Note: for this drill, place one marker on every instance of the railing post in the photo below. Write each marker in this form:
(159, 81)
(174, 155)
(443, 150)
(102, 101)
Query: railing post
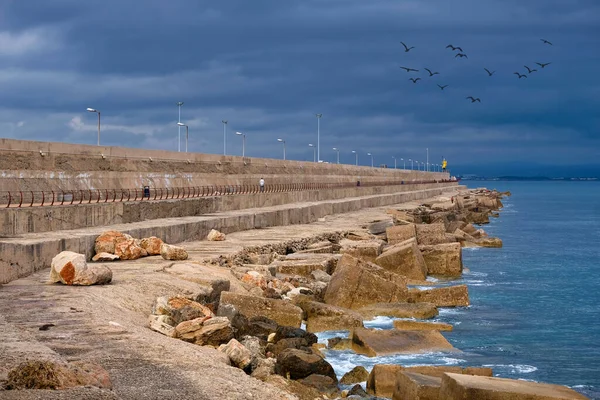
(52, 198)
(135, 199)
(106, 197)
(21, 201)
(122, 194)
(9, 200)
(43, 198)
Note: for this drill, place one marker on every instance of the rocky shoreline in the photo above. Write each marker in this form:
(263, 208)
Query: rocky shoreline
(264, 318)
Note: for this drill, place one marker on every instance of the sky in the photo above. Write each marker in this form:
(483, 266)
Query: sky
(268, 66)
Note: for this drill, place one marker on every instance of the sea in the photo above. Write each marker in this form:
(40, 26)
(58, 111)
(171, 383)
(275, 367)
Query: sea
(535, 302)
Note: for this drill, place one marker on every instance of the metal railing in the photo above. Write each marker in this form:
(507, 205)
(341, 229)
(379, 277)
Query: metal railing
(31, 198)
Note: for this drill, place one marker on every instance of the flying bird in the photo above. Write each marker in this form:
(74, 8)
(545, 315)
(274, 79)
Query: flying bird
(414, 80)
(409, 69)
(442, 87)
(529, 70)
(542, 64)
(461, 55)
(454, 48)
(473, 99)
(406, 48)
(519, 75)
(431, 73)
(490, 73)
(546, 42)
(459, 49)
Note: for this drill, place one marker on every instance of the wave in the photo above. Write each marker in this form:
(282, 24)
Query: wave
(512, 368)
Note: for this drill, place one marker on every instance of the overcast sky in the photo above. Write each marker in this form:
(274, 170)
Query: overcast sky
(267, 66)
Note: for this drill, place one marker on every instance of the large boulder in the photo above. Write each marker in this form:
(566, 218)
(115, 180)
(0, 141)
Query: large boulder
(439, 370)
(238, 354)
(152, 245)
(366, 250)
(162, 324)
(399, 310)
(379, 227)
(410, 325)
(105, 243)
(180, 309)
(71, 269)
(382, 379)
(471, 387)
(404, 259)
(299, 267)
(129, 250)
(170, 252)
(280, 311)
(355, 375)
(325, 317)
(443, 259)
(324, 384)
(375, 342)
(202, 331)
(431, 233)
(356, 283)
(400, 233)
(488, 242)
(450, 296)
(412, 385)
(298, 364)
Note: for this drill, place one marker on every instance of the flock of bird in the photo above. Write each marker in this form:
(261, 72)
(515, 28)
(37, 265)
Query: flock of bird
(461, 54)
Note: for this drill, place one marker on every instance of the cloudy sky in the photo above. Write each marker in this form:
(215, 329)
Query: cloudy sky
(267, 66)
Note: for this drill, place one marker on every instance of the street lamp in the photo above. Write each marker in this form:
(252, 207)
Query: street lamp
(224, 137)
(369, 154)
(338, 154)
(394, 162)
(314, 151)
(319, 136)
(179, 104)
(403, 161)
(243, 135)
(427, 158)
(96, 111)
(417, 165)
(186, 134)
(353, 151)
(282, 141)
(411, 163)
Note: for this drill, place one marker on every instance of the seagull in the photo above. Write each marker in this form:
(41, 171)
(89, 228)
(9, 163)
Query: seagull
(546, 42)
(473, 99)
(409, 69)
(459, 49)
(488, 71)
(461, 55)
(431, 73)
(519, 75)
(529, 70)
(406, 48)
(542, 64)
(451, 47)
(442, 87)
(414, 80)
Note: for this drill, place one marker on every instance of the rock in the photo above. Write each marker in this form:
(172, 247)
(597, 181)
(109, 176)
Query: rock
(264, 368)
(238, 354)
(470, 387)
(215, 236)
(358, 391)
(325, 317)
(365, 250)
(411, 385)
(299, 391)
(105, 257)
(439, 370)
(400, 233)
(298, 364)
(205, 331)
(404, 259)
(317, 348)
(287, 332)
(358, 235)
(355, 375)
(379, 227)
(170, 252)
(338, 343)
(373, 342)
(382, 379)
(152, 245)
(105, 243)
(450, 296)
(399, 310)
(320, 276)
(261, 327)
(324, 384)
(478, 218)
(255, 278)
(180, 309)
(55, 375)
(443, 259)
(71, 269)
(298, 267)
(431, 233)
(256, 348)
(404, 325)
(288, 343)
(489, 242)
(162, 324)
(454, 225)
(280, 311)
(356, 283)
(128, 250)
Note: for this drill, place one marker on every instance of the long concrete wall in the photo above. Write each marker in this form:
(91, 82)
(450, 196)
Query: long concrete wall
(24, 255)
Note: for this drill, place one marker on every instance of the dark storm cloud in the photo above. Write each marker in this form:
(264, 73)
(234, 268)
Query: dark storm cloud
(269, 66)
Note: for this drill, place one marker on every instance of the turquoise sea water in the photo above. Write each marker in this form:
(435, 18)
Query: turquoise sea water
(535, 310)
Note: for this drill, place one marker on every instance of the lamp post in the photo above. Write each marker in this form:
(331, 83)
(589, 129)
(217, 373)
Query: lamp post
(394, 162)
(417, 165)
(411, 163)
(243, 135)
(427, 158)
(319, 136)
(282, 141)
(224, 137)
(404, 162)
(96, 111)
(186, 134)
(338, 154)
(355, 152)
(314, 151)
(369, 154)
(179, 104)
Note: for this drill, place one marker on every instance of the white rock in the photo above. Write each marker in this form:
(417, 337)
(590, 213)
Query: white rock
(215, 236)
(71, 269)
(162, 324)
(170, 252)
(239, 355)
(105, 257)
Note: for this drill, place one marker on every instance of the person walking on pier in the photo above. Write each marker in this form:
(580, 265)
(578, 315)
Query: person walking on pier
(261, 183)
(444, 164)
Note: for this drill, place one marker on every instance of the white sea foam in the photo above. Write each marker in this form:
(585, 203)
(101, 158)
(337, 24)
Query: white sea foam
(513, 368)
(379, 323)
